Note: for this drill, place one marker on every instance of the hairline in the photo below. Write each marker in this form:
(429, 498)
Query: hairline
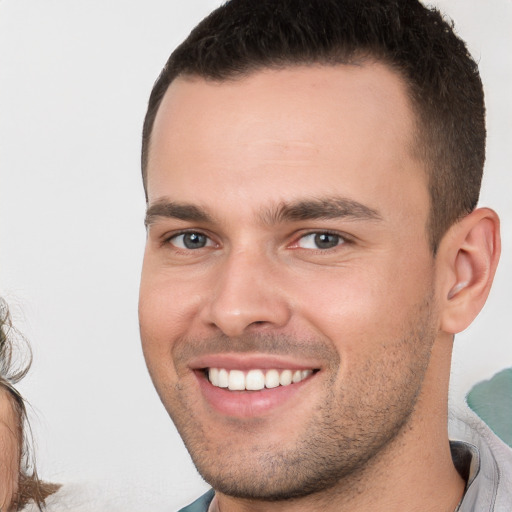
(418, 138)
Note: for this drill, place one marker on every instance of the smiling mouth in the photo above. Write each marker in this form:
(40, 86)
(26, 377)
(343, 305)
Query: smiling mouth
(255, 380)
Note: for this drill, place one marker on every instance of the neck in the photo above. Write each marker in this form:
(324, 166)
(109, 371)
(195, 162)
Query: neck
(414, 472)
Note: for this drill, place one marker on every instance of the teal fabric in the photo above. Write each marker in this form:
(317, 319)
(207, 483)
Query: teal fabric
(201, 504)
(492, 401)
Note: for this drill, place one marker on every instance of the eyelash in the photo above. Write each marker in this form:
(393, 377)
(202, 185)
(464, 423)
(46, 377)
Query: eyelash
(343, 239)
(168, 239)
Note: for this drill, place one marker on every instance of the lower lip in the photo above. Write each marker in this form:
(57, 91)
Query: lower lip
(248, 404)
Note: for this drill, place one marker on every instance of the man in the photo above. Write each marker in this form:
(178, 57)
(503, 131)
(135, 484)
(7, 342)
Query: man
(312, 170)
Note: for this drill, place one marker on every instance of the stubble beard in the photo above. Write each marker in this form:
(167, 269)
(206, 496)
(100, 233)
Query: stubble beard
(347, 432)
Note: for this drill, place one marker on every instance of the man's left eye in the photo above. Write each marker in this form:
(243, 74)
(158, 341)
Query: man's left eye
(320, 241)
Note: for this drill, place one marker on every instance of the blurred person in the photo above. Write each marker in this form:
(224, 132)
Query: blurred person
(19, 483)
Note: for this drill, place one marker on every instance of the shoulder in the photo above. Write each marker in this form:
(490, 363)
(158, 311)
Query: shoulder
(489, 486)
(76, 497)
(201, 504)
(105, 495)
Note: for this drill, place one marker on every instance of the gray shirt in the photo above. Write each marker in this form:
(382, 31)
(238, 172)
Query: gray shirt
(484, 460)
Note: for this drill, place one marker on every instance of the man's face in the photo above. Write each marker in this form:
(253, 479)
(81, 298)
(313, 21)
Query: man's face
(287, 253)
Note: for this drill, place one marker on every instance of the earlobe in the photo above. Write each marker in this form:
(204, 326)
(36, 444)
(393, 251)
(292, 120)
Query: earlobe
(469, 254)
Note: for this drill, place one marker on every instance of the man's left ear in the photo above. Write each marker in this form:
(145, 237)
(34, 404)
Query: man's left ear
(467, 256)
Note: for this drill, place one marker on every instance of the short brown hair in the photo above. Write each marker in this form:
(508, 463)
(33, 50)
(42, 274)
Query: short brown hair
(243, 36)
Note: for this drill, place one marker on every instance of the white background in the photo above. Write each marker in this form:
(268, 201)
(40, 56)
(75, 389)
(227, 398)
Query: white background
(74, 81)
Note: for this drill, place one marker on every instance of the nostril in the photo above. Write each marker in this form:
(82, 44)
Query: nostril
(258, 323)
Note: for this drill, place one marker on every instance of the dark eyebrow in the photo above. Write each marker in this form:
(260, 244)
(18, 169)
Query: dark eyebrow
(328, 208)
(169, 209)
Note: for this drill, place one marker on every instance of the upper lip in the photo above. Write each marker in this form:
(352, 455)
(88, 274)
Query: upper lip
(237, 361)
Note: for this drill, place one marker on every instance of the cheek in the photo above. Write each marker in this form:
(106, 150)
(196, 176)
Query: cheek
(362, 308)
(157, 327)
(166, 305)
(169, 302)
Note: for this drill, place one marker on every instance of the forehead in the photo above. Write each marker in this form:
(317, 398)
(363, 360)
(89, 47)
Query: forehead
(294, 131)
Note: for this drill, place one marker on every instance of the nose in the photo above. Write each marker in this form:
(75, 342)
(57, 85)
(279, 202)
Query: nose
(246, 295)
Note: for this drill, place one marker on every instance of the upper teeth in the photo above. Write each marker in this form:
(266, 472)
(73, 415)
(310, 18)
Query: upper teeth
(254, 380)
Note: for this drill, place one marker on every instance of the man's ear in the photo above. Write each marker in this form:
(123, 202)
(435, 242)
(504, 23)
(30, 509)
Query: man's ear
(468, 256)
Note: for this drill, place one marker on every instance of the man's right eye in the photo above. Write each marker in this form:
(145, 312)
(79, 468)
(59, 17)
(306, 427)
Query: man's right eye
(190, 240)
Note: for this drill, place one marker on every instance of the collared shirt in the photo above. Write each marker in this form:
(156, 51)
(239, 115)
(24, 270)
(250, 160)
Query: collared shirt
(484, 460)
